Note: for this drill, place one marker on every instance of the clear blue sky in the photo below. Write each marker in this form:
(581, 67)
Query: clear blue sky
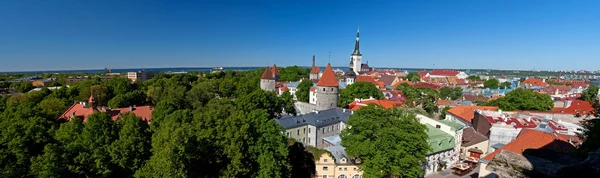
(500, 34)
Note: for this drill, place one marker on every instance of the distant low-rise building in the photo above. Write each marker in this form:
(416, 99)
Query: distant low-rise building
(140, 75)
(445, 138)
(311, 128)
(335, 163)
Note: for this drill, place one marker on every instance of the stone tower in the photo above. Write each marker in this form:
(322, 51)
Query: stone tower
(356, 57)
(275, 72)
(327, 90)
(267, 81)
(314, 73)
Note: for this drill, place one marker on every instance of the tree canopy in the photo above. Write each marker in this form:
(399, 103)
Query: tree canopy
(522, 99)
(389, 142)
(450, 93)
(491, 83)
(303, 90)
(362, 90)
(413, 77)
(590, 94)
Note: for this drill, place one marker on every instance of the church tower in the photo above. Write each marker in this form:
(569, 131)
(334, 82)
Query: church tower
(356, 57)
(267, 81)
(327, 90)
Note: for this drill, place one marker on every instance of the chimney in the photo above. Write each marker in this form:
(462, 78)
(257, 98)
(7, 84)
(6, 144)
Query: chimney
(131, 108)
(499, 111)
(344, 110)
(313, 60)
(568, 103)
(529, 119)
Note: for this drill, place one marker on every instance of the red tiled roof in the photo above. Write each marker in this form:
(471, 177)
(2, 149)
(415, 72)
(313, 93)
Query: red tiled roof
(515, 122)
(366, 78)
(77, 109)
(315, 70)
(583, 107)
(427, 85)
(444, 102)
(402, 81)
(328, 79)
(467, 113)
(534, 82)
(383, 103)
(444, 72)
(534, 139)
(285, 88)
(274, 70)
(267, 74)
(312, 89)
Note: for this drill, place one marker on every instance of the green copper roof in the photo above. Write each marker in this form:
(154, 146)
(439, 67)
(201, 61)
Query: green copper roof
(456, 126)
(438, 140)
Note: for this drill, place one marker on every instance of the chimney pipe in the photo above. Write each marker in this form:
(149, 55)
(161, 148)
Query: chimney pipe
(313, 60)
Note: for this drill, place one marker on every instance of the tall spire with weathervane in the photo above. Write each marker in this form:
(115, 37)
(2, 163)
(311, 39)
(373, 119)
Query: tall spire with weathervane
(356, 57)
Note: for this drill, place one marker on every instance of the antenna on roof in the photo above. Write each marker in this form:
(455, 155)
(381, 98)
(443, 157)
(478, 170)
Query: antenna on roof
(329, 56)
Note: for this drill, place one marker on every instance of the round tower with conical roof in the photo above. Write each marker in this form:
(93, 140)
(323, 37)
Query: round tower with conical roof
(267, 81)
(327, 90)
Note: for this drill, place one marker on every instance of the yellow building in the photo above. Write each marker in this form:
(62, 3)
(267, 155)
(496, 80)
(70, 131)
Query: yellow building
(334, 163)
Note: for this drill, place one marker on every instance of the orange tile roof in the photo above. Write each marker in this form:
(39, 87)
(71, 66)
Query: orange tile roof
(267, 74)
(285, 88)
(315, 70)
(366, 78)
(312, 89)
(328, 79)
(444, 102)
(534, 139)
(467, 113)
(383, 103)
(79, 110)
(402, 81)
(534, 82)
(274, 70)
(577, 106)
(381, 84)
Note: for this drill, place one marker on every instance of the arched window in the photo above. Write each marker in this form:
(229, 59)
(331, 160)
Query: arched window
(342, 176)
(356, 176)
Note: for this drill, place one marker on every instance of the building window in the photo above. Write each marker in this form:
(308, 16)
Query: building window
(355, 170)
(298, 132)
(342, 176)
(345, 169)
(356, 176)
(437, 126)
(331, 89)
(323, 89)
(325, 168)
(324, 176)
(304, 131)
(308, 140)
(324, 160)
(308, 130)
(340, 169)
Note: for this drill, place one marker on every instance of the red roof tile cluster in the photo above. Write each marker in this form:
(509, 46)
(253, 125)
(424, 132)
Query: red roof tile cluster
(284, 89)
(534, 82)
(267, 75)
(275, 71)
(444, 72)
(402, 81)
(366, 78)
(577, 106)
(534, 139)
(328, 79)
(516, 122)
(467, 113)
(79, 110)
(382, 103)
(428, 85)
(561, 89)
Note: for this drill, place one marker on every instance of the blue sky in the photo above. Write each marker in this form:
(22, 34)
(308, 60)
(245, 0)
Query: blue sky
(498, 34)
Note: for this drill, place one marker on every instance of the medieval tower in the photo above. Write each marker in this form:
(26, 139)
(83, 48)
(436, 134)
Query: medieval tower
(267, 80)
(356, 57)
(327, 90)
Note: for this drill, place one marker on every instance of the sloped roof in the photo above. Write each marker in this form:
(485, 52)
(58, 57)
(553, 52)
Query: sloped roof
(79, 110)
(577, 106)
(467, 113)
(444, 72)
(427, 85)
(438, 140)
(534, 82)
(366, 78)
(285, 88)
(274, 70)
(328, 79)
(472, 137)
(320, 119)
(387, 79)
(402, 81)
(267, 75)
(382, 103)
(534, 139)
(315, 70)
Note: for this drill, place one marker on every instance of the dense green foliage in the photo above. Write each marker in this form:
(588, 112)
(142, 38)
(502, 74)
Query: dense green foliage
(474, 78)
(491, 83)
(413, 77)
(209, 125)
(443, 112)
(450, 93)
(590, 94)
(358, 90)
(22, 87)
(293, 73)
(389, 142)
(522, 99)
(505, 85)
(303, 90)
(421, 96)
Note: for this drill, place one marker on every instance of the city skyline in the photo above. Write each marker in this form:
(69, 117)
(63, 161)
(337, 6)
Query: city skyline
(72, 35)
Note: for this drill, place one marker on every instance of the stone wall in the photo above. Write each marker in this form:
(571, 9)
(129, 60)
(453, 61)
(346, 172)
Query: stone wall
(267, 85)
(327, 97)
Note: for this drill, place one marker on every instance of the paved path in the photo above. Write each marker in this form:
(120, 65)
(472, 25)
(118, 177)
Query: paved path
(448, 174)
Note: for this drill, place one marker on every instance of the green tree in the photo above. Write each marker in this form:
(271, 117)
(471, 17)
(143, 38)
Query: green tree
(303, 90)
(96, 138)
(413, 77)
(389, 142)
(358, 90)
(52, 108)
(505, 85)
(446, 92)
(408, 91)
(293, 73)
(288, 103)
(226, 88)
(132, 148)
(491, 83)
(443, 112)
(590, 94)
(474, 78)
(49, 164)
(260, 99)
(101, 94)
(118, 85)
(522, 99)
(22, 87)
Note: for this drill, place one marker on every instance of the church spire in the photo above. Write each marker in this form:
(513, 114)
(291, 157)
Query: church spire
(356, 45)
